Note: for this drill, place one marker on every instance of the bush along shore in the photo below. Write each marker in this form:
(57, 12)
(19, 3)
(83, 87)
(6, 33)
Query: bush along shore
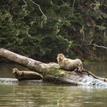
(42, 29)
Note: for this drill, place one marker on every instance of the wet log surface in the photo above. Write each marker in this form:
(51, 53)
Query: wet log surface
(47, 72)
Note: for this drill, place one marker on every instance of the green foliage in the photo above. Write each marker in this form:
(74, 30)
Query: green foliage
(43, 28)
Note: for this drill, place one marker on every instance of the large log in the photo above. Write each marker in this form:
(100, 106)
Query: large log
(28, 62)
(43, 68)
(48, 70)
(51, 72)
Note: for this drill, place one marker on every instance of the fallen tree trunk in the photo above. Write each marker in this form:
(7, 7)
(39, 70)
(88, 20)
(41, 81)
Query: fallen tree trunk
(40, 67)
(51, 72)
(28, 62)
(48, 71)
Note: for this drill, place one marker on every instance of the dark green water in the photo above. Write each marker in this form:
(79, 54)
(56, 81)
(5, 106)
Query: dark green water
(48, 95)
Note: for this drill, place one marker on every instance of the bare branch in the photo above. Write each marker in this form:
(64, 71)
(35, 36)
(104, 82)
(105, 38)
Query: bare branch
(25, 2)
(73, 7)
(39, 9)
(99, 46)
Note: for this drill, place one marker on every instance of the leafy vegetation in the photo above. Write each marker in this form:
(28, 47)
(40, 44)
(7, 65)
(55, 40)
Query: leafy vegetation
(43, 28)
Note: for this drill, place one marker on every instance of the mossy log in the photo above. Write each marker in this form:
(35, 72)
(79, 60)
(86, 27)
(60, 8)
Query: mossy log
(50, 72)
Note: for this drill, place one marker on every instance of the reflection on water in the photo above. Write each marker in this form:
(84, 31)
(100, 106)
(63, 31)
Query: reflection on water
(51, 96)
(46, 95)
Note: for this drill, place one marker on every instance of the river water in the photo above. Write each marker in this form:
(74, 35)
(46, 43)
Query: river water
(50, 95)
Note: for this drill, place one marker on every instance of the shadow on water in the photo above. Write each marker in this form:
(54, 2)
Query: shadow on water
(48, 95)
